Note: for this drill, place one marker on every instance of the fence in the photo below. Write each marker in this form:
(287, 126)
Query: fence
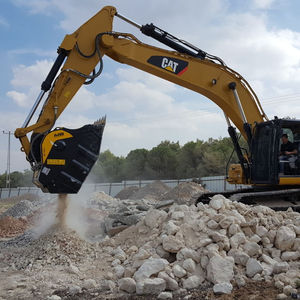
(216, 184)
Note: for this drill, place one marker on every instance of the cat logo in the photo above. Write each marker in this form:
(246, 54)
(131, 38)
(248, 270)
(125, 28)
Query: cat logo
(171, 64)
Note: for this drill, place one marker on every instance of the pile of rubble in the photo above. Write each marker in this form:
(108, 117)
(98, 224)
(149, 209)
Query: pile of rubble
(160, 253)
(10, 226)
(153, 191)
(221, 243)
(184, 193)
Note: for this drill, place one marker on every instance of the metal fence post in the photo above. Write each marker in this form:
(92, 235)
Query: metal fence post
(109, 192)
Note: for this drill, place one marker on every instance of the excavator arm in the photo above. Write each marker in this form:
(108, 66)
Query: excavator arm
(58, 168)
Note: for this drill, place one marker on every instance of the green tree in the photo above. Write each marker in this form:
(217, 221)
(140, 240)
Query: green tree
(163, 160)
(135, 164)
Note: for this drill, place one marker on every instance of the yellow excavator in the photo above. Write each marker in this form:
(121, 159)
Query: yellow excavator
(62, 158)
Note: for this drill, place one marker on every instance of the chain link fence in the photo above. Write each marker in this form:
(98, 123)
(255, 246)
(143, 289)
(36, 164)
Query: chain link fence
(216, 184)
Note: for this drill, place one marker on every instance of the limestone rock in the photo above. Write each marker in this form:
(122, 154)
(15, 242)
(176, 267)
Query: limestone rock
(252, 248)
(165, 295)
(217, 263)
(150, 267)
(189, 265)
(290, 255)
(89, 284)
(222, 288)
(192, 282)
(179, 271)
(150, 286)
(128, 285)
(253, 267)
(280, 267)
(171, 284)
(216, 202)
(285, 238)
(155, 217)
(172, 244)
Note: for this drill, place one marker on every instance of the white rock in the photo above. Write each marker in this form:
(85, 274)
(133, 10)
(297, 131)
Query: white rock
(115, 262)
(237, 239)
(171, 284)
(290, 255)
(89, 284)
(216, 202)
(186, 253)
(119, 254)
(261, 231)
(142, 254)
(252, 248)
(128, 285)
(119, 270)
(255, 238)
(285, 238)
(281, 296)
(240, 257)
(217, 263)
(287, 290)
(177, 215)
(268, 260)
(253, 267)
(172, 244)
(222, 288)
(74, 289)
(171, 228)
(296, 244)
(192, 282)
(212, 224)
(150, 286)
(280, 267)
(226, 222)
(233, 229)
(165, 295)
(54, 297)
(179, 271)
(150, 267)
(204, 261)
(155, 217)
(189, 265)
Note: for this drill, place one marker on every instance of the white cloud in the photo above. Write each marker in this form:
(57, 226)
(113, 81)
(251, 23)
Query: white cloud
(28, 79)
(263, 4)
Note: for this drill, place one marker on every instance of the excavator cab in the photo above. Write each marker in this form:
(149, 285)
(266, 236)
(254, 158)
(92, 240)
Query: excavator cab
(265, 153)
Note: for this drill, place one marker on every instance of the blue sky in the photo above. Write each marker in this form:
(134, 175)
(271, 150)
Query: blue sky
(258, 38)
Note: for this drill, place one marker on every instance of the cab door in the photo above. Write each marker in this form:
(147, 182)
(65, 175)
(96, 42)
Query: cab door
(264, 153)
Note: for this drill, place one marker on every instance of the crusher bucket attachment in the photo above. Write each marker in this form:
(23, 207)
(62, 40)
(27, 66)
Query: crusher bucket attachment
(67, 157)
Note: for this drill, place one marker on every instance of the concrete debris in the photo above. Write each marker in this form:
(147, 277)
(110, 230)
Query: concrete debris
(184, 193)
(21, 209)
(164, 253)
(127, 192)
(152, 191)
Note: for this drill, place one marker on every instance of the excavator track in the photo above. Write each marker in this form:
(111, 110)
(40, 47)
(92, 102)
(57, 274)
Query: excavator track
(276, 199)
